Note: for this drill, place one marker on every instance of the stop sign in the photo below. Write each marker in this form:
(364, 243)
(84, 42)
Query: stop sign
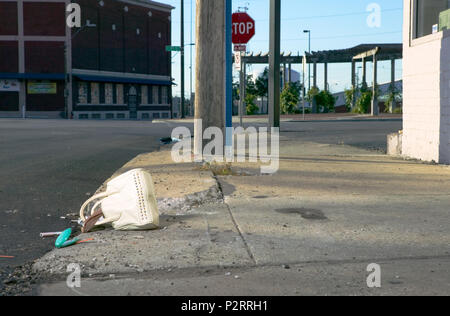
(243, 28)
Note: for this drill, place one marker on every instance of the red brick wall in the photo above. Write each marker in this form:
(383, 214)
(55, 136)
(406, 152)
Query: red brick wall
(44, 19)
(122, 50)
(9, 56)
(44, 57)
(8, 18)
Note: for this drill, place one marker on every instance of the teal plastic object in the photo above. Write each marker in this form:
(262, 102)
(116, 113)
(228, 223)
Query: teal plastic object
(63, 240)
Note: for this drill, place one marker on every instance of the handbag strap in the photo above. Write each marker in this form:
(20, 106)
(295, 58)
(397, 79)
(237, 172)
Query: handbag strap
(91, 222)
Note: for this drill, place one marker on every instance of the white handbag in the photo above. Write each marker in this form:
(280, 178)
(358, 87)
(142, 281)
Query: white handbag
(129, 203)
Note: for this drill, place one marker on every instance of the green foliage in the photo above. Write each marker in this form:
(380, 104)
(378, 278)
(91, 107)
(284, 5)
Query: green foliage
(349, 95)
(364, 102)
(312, 93)
(393, 95)
(398, 110)
(262, 84)
(251, 86)
(326, 101)
(250, 101)
(323, 99)
(290, 96)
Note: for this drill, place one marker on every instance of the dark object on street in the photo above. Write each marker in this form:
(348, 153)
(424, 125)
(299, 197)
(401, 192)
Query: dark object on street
(306, 213)
(168, 140)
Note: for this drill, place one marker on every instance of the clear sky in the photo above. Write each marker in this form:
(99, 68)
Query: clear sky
(334, 24)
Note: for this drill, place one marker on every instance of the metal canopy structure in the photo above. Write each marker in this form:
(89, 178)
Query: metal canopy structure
(361, 53)
(386, 52)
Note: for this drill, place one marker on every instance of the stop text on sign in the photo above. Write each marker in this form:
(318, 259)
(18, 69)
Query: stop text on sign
(243, 28)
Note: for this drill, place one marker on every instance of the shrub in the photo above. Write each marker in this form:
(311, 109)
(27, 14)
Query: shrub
(364, 103)
(290, 98)
(252, 108)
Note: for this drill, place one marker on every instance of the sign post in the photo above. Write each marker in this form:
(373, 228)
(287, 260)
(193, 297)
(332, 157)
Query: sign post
(228, 79)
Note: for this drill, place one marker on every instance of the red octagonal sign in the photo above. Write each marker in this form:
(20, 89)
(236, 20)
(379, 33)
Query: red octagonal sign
(243, 28)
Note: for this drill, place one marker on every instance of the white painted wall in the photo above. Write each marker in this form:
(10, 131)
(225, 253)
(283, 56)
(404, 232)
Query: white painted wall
(426, 94)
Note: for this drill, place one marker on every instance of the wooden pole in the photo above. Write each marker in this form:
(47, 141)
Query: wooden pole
(210, 69)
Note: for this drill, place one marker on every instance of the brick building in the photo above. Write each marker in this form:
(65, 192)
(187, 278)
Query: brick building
(116, 63)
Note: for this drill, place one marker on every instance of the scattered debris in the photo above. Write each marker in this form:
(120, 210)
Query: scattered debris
(63, 239)
(55, 234)
(169, 140)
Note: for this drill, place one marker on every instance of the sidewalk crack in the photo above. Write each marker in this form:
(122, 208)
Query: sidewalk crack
(247, 247)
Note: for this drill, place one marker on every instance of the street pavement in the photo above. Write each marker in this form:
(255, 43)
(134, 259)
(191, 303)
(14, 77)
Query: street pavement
(49, 167)
(334, 208)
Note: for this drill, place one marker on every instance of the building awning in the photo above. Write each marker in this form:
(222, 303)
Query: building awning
(31, 76)
(110, 79)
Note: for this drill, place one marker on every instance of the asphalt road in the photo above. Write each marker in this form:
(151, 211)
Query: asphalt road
(48, 168)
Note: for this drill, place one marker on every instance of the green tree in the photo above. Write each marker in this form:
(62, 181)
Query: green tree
(290, 96)
(364, 102)
(262, 85)
(325, 101)
(393, 95)
(250, 86)
(350, 94)
(250, 101)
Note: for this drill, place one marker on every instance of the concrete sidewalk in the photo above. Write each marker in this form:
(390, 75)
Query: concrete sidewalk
(311, 229)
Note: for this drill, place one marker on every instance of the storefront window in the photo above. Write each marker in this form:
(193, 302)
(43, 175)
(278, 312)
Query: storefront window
(164, 95)
(144, 95)
(82, 92)
(109, 98)
(427, 15)
(119, 91)
(95, 93)
(155, 95)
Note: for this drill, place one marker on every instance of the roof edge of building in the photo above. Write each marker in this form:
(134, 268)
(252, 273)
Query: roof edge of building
(150, 4)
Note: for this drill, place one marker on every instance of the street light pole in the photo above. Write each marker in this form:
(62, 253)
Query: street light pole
(183, 113)
(190, 84)
(309, 51)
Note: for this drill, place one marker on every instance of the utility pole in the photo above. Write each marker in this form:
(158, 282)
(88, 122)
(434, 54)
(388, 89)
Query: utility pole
(274, 63)
(183, 110)
(210, 69)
